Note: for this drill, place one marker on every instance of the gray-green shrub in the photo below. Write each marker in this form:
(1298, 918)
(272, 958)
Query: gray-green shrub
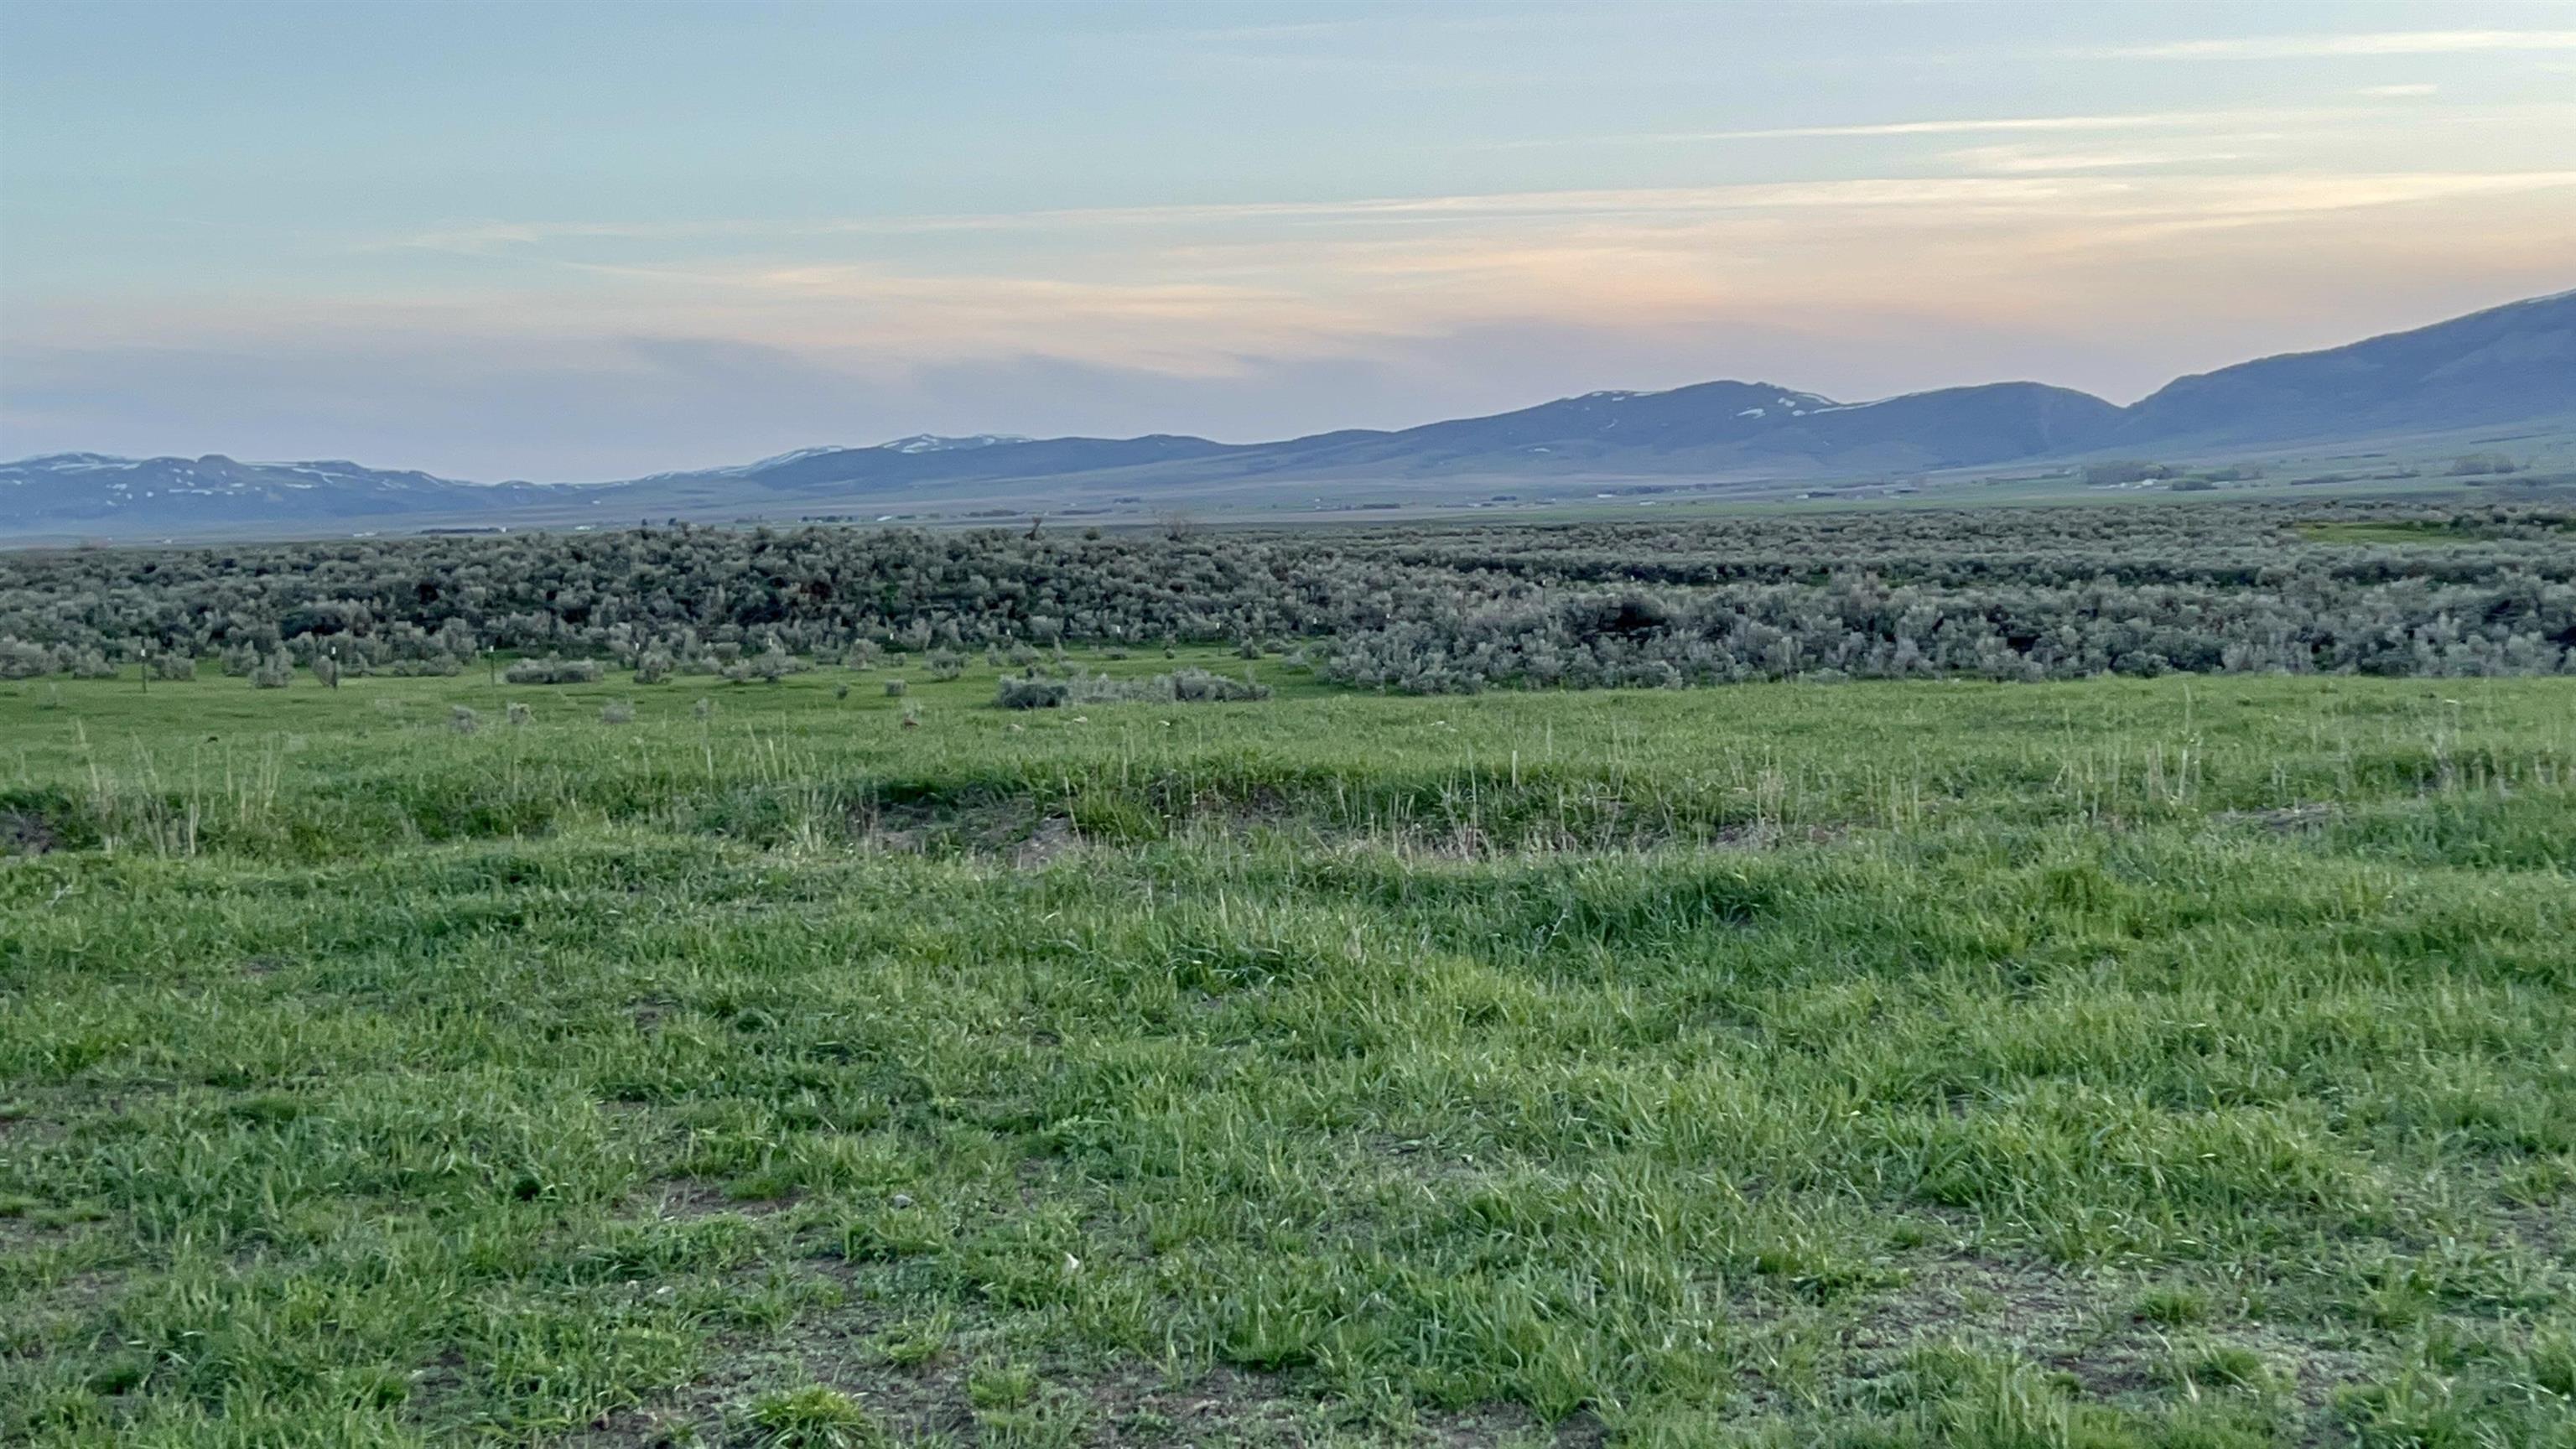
(1030, 693)
(552, 670)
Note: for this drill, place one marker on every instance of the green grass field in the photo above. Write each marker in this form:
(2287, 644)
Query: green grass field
(2184, 1062)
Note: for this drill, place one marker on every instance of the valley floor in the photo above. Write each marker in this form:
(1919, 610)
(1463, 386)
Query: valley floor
(2174, 1062)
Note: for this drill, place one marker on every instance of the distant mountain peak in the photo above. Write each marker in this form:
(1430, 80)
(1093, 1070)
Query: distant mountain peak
(794, 455)
(939, 443)
(2502, 372)
(68, 462)
(2489, 367)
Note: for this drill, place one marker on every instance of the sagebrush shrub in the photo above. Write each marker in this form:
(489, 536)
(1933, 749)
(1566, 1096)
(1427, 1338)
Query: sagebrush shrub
(22, 660)
(1182, 686)
(1030, 693)
(552, 670)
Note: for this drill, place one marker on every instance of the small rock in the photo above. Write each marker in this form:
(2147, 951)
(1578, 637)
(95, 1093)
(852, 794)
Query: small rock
(901, 1200)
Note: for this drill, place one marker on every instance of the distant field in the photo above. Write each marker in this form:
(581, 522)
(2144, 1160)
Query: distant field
(2397, 532)
(2187, 1061)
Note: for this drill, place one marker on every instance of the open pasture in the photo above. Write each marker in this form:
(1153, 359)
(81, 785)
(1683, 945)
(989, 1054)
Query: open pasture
(2175, 1062)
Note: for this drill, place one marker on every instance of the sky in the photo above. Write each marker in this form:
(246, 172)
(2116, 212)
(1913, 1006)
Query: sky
(565, 241)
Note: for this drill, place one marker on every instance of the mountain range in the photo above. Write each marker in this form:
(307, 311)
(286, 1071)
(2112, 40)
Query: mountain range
(2489, 374)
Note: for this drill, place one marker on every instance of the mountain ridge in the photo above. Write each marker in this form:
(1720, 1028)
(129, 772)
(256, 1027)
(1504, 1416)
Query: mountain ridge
(2498, 366)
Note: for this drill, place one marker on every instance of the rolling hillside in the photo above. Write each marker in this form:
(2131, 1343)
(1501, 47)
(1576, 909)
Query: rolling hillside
(2508, 368)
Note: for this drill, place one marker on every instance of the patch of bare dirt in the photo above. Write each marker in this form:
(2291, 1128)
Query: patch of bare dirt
(2548, 1229)
(1020, 831)
(2285, 820)
(927, 1397)
(2082, 1325)
(1053, 837)
(1012, 830)
(1767, 835)
(684, 1199)
(25, 832)
(2074, 1324)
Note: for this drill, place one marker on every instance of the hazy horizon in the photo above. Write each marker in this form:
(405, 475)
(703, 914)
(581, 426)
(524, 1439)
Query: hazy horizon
(576, 243)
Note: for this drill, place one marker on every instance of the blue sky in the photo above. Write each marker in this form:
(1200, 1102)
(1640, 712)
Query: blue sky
(566, 241)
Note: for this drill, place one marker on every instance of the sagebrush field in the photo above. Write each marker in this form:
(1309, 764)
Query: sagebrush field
(2438, 588)
(2185, 1061)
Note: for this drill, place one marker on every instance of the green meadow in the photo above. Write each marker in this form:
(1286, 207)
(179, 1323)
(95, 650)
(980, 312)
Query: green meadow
(2180, 1062)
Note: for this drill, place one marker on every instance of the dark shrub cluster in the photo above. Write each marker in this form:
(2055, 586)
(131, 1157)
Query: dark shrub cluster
(1858, 626)
(1030, 693)
(1182, 686)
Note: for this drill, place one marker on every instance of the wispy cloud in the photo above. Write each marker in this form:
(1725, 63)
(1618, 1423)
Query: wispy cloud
(1952, 126)
(1189, 292)
(2024, 160)
(2304, 47)
(501, 237)
(1956, 194)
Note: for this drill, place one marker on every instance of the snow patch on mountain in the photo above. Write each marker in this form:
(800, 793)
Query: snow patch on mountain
(937, 443)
